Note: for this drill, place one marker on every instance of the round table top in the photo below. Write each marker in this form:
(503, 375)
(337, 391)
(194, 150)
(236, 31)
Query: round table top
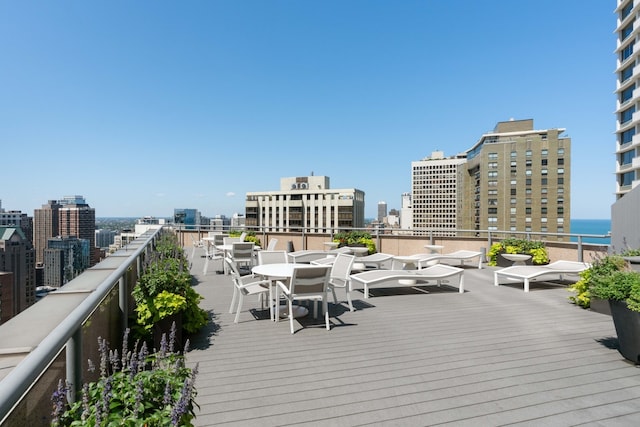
(281, 269)
(434, 247)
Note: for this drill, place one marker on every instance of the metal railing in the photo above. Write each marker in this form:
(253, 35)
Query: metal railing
(94, 304)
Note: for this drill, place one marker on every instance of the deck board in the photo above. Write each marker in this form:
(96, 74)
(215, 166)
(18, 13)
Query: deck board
(429, 356)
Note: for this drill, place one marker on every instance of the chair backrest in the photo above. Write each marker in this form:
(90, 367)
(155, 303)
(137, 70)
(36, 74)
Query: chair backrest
(243, 235)
(310, 280)
(272, 257)
(272, 245)
(242, 251)
(218, 239)
(341, 269)
(230, 240)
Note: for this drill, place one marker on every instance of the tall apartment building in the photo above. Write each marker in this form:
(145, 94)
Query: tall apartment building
(14, 218)
(406, 212)
(382, 211)
(46, 224)
(436, 192)
(628, 98)
(78, 219)
(189, 217)
(17, 257)
(518, 178)
(306, 203)
(64, 259)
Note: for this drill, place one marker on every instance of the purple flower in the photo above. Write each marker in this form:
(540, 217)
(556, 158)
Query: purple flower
(58, 399)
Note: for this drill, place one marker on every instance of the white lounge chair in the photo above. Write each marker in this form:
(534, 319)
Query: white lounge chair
(462, 256)
(435, 272)
(528, 273)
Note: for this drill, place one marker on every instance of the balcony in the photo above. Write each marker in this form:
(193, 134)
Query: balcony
(423, 355)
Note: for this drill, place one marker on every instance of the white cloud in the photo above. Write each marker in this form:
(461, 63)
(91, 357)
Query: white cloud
(231, 194)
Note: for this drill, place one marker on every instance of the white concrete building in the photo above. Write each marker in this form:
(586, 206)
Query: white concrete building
(306, 203)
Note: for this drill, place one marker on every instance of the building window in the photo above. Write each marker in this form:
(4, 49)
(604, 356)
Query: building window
(544, 171)
(528, 153)
(543, 200)
(493, 174)
(626, 10)
(627, 73)
(544, 152)
(627, 114)
(560, 181)
(560, 151)
(627, 136)
(543, 211)
(626, 178)
(514, 201)
(527, 172)
(527, 211)
(626, 31)
(626, 52)
(543, 181)
(561, 161)
(513, 211)
(560, 210)
(492, 211)
(626, 94)
(527, 181)
(627, 157)
(513, 192)
(492, 156)
(493, 165)
(492, 183)
(527, 201)
(513, 182)
(544, 162)
(560, 170)
(543, 219)
(514, 154)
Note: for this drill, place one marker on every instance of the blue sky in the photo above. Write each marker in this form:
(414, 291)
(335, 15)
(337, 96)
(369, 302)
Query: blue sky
(147, 106)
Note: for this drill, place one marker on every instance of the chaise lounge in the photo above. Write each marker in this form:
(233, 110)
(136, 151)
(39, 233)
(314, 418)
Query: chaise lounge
(462, 256)
(435, 272)
(531, 273)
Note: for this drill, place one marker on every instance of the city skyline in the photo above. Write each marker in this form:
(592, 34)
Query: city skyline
(193, 105)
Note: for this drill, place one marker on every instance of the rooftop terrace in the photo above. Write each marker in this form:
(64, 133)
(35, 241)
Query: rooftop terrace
(415, 356)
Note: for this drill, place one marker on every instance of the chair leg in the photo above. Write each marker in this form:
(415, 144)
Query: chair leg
(349, 299)
(291, 314)
(325, 307)
(206, 265)
(240, 299)
(233, 300)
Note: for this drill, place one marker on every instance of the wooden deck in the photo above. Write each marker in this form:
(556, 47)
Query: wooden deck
(491, 356)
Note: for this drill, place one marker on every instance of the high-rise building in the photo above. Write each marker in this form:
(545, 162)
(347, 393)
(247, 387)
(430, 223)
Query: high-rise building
(382, 211)
(628, 99)
(406, 212)
(306, 203)
(64, 259)
(518, 178)
(6, 296)
(17, 257)
(189, 217)
(436, 192)
(78, 219)
(14, 218)
(46, 224)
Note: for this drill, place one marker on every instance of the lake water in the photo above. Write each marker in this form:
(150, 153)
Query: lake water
(591, 226)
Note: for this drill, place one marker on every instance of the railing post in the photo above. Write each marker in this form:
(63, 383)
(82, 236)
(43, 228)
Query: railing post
(123, 301)
(74, 364)
(580, 257)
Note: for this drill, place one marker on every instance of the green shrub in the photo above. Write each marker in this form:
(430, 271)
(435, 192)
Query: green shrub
(600, 268)
(347, 238)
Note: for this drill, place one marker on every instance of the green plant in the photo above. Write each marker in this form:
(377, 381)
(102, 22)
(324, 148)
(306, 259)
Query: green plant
(164, 289)
(537, 250)
(346, 238)
(134, 388)
(601, 267)
(621, 285)
(249, 237)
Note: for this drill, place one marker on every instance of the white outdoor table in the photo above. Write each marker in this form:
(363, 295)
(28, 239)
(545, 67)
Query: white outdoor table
(279, 271)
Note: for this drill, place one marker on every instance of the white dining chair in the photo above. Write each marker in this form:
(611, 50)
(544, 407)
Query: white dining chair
(340, 276)
(306, 283)
(243, 286)
(242, 253)
(272, 244)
